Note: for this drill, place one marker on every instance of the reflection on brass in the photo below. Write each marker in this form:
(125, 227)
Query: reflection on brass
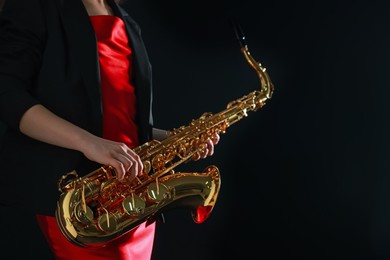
(113, 208)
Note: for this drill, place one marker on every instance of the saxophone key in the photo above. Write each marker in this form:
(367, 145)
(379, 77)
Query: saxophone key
(107, 223)
(158, 192)
(133, 205)
(83, 214)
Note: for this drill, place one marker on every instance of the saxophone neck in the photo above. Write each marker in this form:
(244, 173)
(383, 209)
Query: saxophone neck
(267, 87)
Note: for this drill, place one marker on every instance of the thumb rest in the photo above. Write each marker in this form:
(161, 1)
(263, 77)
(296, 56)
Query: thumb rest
(97, 208)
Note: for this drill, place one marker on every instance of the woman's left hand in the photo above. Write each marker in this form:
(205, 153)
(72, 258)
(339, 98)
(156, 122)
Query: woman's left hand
(207, 148)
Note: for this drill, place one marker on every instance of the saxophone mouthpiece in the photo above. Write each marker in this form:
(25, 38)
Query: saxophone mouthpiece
(238, 32)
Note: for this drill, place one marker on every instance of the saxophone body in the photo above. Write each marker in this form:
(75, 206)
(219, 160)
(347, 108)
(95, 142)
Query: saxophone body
(97, 208)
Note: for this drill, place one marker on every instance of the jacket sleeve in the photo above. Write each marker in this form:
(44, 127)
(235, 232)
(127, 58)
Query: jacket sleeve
(22, 39)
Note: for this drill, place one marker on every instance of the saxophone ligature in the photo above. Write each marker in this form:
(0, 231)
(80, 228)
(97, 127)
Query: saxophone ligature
(97, 208)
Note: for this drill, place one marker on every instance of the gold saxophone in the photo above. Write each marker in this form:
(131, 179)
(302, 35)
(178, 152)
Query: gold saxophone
(97, 208)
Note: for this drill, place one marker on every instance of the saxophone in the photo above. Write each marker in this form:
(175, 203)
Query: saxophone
(97, 208)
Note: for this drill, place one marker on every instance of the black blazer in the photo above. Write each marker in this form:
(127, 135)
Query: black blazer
(48, 55)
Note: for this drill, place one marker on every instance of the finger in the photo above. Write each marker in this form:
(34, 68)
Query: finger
(196, 156)
(119, 169)
(133, 171)
(204, 153)
(126, 161)
(215, 138)
(131, 166)
(203, 150)
(132, 160)
(137, 160)
(210, 147)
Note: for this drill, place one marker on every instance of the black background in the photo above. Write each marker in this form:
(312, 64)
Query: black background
(307, 175)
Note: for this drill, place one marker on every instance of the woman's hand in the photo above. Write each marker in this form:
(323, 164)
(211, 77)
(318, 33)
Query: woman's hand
(207, 148)
(118, 155)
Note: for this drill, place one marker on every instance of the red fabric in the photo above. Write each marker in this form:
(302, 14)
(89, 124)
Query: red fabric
(118, 94)
(119, 116)
(134, 245)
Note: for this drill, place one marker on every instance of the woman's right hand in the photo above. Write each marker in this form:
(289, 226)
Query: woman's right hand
(116, 154)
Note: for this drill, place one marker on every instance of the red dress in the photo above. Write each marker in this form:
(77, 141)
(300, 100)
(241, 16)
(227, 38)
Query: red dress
(119, 115)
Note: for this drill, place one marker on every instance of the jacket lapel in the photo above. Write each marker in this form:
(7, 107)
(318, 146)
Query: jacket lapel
(134, 32)
(82, 44)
